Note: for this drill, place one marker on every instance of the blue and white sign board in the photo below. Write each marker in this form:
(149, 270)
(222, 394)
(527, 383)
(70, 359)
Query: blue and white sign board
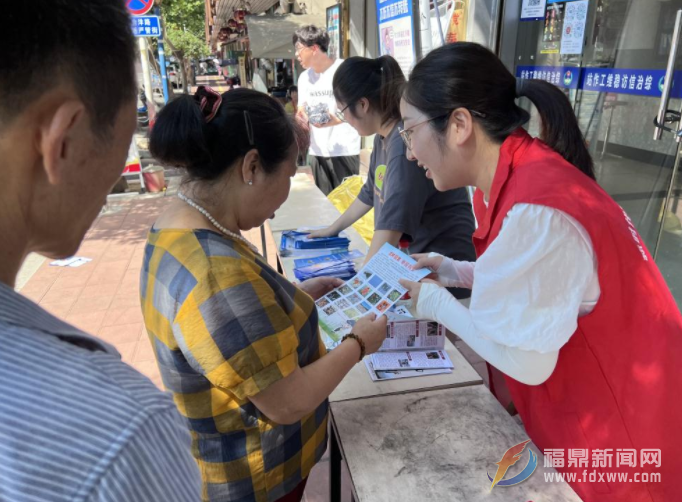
(566, 77)
(395, 20)
(635, 81)
(146, 26)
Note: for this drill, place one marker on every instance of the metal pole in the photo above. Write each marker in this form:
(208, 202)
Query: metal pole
(142, 44)
(425, 26)
(162, 59)
(440, 26)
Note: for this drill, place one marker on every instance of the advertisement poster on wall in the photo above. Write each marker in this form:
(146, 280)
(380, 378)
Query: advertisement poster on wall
(334, 30)
(395, 19)
(551, 32)
(575, 19)
(564, 27)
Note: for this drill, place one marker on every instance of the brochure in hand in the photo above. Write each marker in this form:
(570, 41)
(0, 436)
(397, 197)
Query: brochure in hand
(375, 289)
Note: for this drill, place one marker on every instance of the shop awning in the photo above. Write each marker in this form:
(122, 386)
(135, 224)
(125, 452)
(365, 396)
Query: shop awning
(270, 36)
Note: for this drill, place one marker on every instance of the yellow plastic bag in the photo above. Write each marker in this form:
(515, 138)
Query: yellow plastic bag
(344, 195)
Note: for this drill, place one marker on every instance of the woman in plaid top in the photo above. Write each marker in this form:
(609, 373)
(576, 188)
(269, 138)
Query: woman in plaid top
(238, 344)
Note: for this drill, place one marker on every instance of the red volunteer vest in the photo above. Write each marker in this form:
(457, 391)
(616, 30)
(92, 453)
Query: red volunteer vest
(616, 382)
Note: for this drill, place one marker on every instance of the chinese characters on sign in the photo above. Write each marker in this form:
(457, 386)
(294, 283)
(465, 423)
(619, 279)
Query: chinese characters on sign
(395, 31)
(146, 26)
(616, 81)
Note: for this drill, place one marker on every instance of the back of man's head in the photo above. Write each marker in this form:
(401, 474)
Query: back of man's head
(87, 43)
(67, 115)
(312, 35)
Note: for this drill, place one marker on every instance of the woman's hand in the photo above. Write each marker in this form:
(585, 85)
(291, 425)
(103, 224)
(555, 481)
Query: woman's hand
(320, 286)
(372, 331)
(414, 288)
(322, 232)
(433, 263)
(448, 272)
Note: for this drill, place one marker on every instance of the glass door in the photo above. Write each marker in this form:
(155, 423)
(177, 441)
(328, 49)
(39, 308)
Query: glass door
(611, 58)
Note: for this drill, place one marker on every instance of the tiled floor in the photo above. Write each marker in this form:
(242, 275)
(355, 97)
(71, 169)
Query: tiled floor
(102, 296)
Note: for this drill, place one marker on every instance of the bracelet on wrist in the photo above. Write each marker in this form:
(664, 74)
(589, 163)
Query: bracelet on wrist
(357, 339)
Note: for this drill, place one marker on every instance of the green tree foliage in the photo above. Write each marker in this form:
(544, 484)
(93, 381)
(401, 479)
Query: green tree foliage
(185, 21)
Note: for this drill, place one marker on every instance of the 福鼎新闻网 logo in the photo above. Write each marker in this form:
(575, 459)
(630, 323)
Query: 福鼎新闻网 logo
(510, 457)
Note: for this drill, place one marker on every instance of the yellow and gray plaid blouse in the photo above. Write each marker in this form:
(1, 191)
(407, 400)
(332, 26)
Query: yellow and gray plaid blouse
(224, 326)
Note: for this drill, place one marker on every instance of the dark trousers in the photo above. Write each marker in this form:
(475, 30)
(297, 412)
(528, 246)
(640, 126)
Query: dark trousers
(329, 172)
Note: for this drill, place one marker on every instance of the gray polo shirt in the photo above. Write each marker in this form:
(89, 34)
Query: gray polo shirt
(77, 424)
(405, 200)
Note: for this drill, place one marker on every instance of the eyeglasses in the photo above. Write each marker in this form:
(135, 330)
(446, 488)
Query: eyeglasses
(340, 114)
(299, 48)
(406, 134)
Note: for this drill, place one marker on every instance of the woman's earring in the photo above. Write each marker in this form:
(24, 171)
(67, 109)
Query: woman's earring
(250, 182)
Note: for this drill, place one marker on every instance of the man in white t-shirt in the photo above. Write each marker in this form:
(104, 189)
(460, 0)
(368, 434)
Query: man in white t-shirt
(334, 145)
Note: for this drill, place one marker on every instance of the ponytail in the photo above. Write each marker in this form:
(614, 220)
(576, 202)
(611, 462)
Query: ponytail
(380, 81)
(392, 83)
(467, 75)
(560, 129)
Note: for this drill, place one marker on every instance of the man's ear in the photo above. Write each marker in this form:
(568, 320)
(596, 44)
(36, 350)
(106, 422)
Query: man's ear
(58, 134)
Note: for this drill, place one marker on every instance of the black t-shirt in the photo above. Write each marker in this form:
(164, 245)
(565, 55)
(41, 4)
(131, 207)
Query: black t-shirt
(405, 200)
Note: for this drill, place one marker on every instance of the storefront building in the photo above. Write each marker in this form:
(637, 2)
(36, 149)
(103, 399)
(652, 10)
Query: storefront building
(609, 56)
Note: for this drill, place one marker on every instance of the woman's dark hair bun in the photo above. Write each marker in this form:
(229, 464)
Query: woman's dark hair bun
(182, 137)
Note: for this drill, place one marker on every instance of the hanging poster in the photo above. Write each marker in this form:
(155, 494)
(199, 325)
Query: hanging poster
(532, 10)
(575, 18)
(395, 31)
(334, 30)
(551, 32)
(457, 29)
(453, 21)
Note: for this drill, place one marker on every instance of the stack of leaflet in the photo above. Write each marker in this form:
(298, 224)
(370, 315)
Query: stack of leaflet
(335, 265)
(297, 245)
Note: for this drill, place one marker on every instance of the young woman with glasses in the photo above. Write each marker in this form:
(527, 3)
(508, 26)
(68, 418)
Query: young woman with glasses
(567, 305)
(406, 203)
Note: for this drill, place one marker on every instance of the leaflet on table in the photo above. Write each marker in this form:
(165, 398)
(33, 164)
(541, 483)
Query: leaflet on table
(411, 359)
(293, 239)
(344, 272)
(380, 376)
(327, 259)
(409, 333)
(375, 289)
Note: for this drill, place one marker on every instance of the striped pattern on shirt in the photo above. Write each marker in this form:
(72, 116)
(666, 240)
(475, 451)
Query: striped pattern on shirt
(77, 424)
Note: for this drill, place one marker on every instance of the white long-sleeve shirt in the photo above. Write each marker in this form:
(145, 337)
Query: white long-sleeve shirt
(528, 290)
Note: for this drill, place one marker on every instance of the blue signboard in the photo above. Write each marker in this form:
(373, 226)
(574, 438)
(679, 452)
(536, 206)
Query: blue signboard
(637, 82)
(146, 26)
(624, 81)
(395, 26)
(566, 77)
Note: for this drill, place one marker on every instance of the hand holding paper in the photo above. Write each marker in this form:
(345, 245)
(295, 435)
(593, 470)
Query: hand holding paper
(376, 288)
(320, 286)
